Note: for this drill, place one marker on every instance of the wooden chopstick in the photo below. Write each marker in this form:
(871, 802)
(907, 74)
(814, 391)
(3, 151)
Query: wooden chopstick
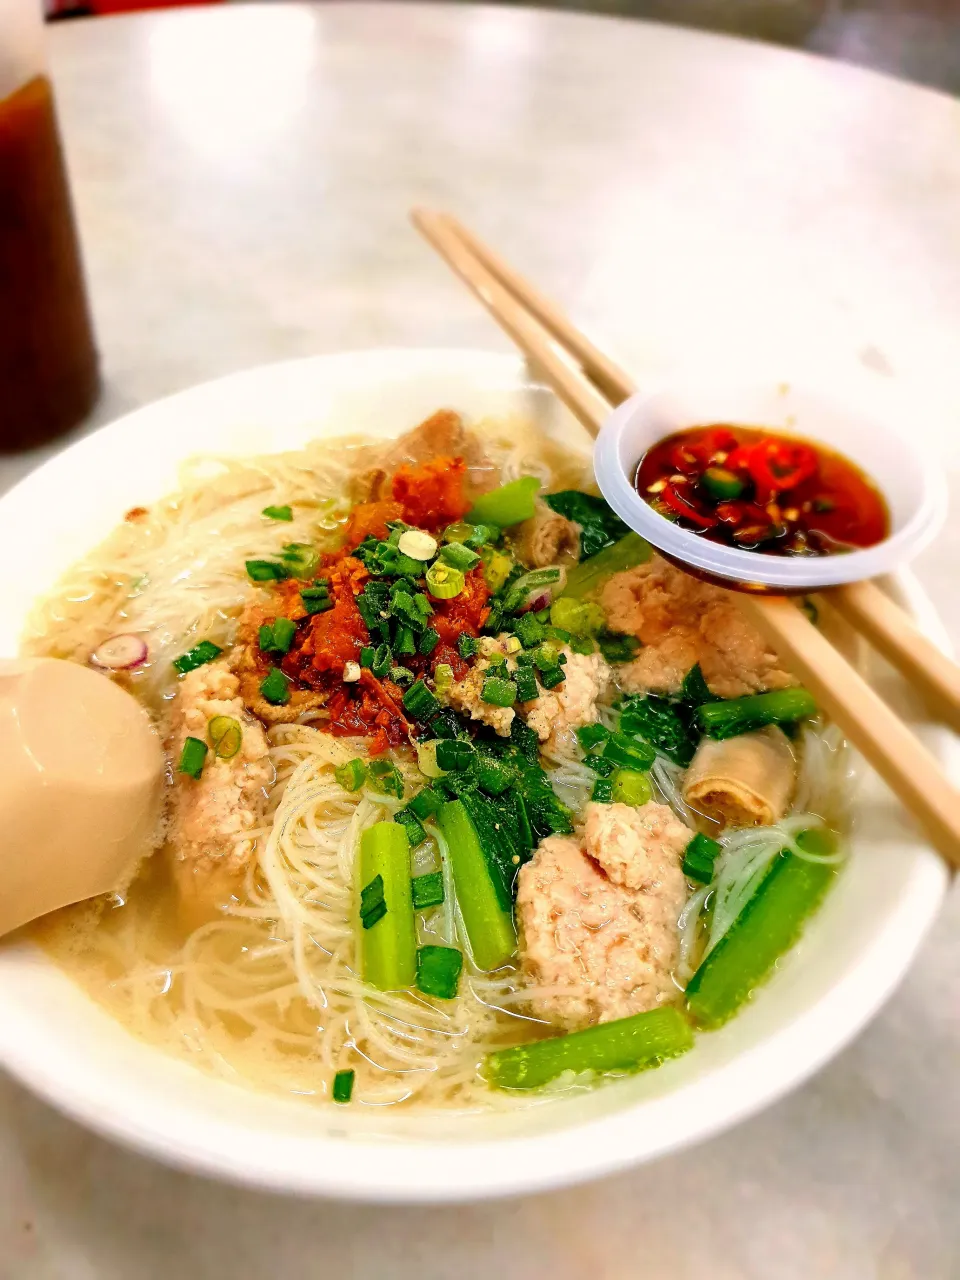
(907, 767)
(862, 604)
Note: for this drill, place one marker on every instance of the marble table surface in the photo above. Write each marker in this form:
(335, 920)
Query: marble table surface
(242, 178)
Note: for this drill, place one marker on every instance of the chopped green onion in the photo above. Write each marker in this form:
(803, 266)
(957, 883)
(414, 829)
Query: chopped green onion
(467, 646)
(382, 661)
(352, 775)
(275, 687)
(589, 574)
(300, 559)
(768, 926)
(277, 513)
(459, 556)
(226, 736)
(266, 571)
(698, 858)
(404, 607)
(628, 753)
(316, 599)
(741, 715)
(631, 787)
(489, 925)
(420, 702)
(529, 630)
(422, 605)
(507, 505)
(591, 735)
(401, 675)
(428, 641)
(443, 678)
(388, 950)
(425, 804)
(198, 656)
(445, 725)
(343, 1086)
(529, 585)
(438, 971)
(444, 581)
(412, 825)
(277, 636)
(498, 693)
(427, 890)
(552, 677)
(454, 754)
(601, 767)
(192, 756)
(427, 758)
(404, 643)
(628, 1044)
(367, 655)
(602, 791)
(372, 904)
(385, 777)
(526, 683)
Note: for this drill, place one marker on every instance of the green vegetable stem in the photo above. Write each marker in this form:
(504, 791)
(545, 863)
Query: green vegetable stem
(487, 920)
(629, 1044)
(388, 945)
(767, 927)
(741, 715)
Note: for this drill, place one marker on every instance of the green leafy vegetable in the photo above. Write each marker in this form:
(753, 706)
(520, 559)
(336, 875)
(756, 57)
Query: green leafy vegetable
(438, 971)
(277, 513)
(600, 527)
(660, 723)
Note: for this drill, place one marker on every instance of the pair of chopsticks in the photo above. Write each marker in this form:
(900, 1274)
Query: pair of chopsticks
(589, 383)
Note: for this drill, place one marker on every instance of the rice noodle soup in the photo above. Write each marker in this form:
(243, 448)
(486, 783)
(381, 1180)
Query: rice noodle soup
(472, 798)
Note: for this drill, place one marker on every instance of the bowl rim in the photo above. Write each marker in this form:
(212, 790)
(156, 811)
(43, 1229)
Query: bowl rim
(734, 564)
(406, 1171)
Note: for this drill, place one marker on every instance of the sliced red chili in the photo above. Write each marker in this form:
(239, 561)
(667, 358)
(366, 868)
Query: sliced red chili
(778, 465)
(681, 507)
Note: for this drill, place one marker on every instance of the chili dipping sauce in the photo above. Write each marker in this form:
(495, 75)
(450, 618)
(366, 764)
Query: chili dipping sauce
(760, 490)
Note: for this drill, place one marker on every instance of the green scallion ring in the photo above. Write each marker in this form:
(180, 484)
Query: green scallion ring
(444, 581)
(226, 736)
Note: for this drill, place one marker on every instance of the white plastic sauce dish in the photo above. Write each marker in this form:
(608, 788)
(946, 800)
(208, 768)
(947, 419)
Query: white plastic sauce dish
(866, 422)
(68, 1050)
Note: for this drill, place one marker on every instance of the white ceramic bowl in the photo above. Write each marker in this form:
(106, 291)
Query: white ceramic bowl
(71, 1053)
(860, 416)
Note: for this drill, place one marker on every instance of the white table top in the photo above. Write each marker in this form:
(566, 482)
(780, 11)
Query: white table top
(242, 179)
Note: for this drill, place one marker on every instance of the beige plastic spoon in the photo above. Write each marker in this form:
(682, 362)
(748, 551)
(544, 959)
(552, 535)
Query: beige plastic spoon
(81, 774)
